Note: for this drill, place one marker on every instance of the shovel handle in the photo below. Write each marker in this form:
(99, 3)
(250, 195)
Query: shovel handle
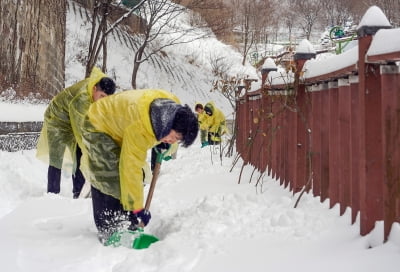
(156, 172)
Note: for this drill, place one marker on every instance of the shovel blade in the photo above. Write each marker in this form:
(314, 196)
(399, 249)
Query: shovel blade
(144, 241)
(131, 239)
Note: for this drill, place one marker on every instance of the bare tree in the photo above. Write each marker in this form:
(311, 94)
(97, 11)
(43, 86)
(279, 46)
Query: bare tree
(230, 87)
(288, 18)
(97, 42)
(100, 30)
(337, 12)
(162, 30)
(218, 15)
(308, 12)
(251, 21)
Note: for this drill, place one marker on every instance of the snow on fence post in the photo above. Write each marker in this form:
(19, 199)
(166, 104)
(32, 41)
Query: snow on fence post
(371, 170)
(385, 50)
(304, 52)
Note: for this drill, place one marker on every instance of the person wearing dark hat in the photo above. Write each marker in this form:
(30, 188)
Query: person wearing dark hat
(215, 123)
(118, 132)
(57, 144)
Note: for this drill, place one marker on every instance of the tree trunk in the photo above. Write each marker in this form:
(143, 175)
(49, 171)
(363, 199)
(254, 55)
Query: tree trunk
(136, 64)
(32, 40)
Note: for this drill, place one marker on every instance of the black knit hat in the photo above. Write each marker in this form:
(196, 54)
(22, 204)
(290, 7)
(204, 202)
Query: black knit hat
(166, 114)
(186, 123)
(208, 110)
(107, 85)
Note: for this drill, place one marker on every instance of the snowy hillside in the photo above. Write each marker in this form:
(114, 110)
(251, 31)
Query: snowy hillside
(185, 70)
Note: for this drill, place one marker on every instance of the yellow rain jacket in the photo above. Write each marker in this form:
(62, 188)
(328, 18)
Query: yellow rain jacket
(118, 132)
(216, 122)
(202, 118)
(63, 119)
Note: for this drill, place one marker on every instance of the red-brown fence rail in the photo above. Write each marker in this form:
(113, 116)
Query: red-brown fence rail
(335, 134)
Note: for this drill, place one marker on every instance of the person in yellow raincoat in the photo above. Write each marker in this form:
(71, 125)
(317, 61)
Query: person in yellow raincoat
(63, 118)
(118, 132)
(214, 122)
(202, 118)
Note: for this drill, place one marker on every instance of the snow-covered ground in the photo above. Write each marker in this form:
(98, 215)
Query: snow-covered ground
(205, 220)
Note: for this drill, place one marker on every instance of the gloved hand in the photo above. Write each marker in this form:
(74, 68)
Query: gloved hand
(167, 158)
(144, 216)
(204, 144)
(162, 147)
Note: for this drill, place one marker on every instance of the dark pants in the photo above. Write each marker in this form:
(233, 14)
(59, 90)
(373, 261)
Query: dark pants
(109, 216)
(212, 141)
(54, 178)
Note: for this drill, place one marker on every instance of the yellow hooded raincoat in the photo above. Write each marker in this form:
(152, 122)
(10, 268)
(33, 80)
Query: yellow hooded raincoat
(118, 133)
(63, 119)
(216, 122)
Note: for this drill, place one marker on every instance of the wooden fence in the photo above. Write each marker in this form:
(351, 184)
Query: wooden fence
(335, 134)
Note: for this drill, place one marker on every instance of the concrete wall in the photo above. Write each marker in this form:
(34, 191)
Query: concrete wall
(15, 136)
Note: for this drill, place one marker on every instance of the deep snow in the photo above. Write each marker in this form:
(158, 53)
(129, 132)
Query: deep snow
(206, 222)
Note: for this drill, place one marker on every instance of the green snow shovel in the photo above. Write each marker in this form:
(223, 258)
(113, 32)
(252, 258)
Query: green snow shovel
(137, 239)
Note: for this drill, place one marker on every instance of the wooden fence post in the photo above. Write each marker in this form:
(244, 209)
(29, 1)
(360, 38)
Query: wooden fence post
(333, 144)
(325, 182)
(316, 95)
(303, 123)
(355, 148)
(391, 143)
(371, 167)
(344, 144)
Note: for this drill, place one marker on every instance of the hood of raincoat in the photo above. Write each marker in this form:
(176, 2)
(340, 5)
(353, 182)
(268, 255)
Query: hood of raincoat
(210, 107)
(216, 121)
(95, 76)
